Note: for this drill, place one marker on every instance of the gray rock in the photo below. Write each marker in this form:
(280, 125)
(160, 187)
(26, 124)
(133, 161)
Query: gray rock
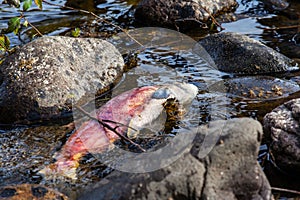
(237, 53)
(229, 171)
(282, 126)
(40, 79)
(181, 14)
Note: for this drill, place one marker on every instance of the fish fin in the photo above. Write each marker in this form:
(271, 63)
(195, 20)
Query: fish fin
(131, 131)
(131, 134)
(60, 169)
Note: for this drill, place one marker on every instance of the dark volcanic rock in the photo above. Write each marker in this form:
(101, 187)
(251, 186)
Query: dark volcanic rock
(30, 191)
(229, 171)
(282, 125)
(232, 169)
(183, 14)
(276, 4)
(40, 80)
(236, 53)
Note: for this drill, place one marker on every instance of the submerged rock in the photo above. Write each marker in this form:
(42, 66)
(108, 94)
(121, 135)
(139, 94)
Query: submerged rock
(282, 125)
(230, 169)
(40, 80)
(181, 14)
(256, 88)
(237, 53)
(276, 4)
(30, 191)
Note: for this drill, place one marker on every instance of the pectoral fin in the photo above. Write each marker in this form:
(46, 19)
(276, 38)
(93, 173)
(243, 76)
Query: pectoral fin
(131, 131)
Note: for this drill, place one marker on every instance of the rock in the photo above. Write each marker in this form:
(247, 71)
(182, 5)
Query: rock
(229, 171)
(39, 81)
(181, 14)
(256, 88)
(237, 53)
(30, 191)
(276, 4)
(282, 125)
(232, 169)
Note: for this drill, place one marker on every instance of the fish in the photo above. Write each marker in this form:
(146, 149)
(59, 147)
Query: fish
(135, 109)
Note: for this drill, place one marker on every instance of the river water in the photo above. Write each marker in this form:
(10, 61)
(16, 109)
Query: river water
(27, 148)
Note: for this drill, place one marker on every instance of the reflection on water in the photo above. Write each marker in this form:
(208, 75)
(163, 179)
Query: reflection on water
(54, 20)
(254, 18)
(251, 30)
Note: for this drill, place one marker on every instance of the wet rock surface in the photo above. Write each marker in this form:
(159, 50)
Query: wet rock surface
(237, 53)
(282, 126)
(40, 80)
(258, 88)
(229, 171)
(276, 4)
(181, 14)
(30, 191)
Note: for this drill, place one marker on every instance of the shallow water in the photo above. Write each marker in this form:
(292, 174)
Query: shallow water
(24, 151)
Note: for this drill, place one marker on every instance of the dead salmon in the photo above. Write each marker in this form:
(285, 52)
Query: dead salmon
(136, 108)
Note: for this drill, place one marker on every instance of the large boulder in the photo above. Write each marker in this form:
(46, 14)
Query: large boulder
(181, 14)
(41, 79)
(282, 125)
(229, 171)
(237, 53)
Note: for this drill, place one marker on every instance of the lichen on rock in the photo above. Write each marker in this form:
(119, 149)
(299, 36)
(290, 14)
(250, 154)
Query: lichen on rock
(41, 79)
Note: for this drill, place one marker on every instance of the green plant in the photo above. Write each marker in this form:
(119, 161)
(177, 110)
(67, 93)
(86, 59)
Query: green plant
(75, 32)
(16, 23)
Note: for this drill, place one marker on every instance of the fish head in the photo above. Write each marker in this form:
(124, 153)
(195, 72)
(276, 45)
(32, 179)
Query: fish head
(184, 93)
(164, 101)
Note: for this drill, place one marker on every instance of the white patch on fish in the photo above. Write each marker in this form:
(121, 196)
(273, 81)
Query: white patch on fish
(154, 115)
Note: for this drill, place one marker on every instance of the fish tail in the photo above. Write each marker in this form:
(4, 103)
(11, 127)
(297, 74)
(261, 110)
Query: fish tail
(61, 168)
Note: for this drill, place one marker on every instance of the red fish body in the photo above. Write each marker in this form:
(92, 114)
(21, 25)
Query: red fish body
(93, 137)
(131, 107)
